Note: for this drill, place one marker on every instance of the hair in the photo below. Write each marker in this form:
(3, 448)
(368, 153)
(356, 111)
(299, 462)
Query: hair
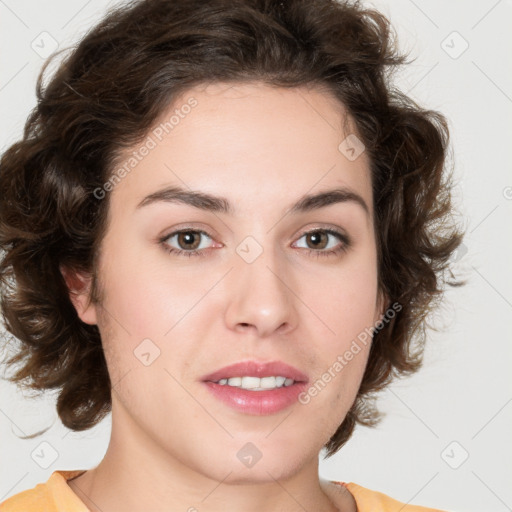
(106, 95)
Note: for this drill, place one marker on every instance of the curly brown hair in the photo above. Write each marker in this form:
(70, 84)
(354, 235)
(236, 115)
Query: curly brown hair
(106, 95)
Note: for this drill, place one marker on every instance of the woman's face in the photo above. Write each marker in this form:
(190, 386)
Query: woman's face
(258, 288)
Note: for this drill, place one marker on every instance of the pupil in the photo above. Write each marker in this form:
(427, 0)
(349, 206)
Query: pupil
(317, 239)
(187, 238)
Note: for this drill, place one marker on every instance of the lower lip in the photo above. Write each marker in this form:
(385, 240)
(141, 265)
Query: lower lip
(258, 403)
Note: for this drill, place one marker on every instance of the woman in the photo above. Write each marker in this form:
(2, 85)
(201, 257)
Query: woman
(224, 226)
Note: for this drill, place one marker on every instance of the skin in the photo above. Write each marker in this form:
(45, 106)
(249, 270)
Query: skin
(173, 445)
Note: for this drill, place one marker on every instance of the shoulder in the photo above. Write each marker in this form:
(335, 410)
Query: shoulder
(47, 497)
(373, 501)
(31, 500)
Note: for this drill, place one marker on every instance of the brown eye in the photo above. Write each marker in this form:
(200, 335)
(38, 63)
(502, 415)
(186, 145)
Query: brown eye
(324, 242)
(189, 240)
(317, 240)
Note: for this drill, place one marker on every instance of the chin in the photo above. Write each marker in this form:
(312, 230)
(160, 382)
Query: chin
(234, 470)
(260, 475)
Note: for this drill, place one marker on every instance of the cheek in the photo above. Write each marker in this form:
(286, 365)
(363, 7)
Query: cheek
(344, 302)
(343, 299)
(149, 299)
(148, 314)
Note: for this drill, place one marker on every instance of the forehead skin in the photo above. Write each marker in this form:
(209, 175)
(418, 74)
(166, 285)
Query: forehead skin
(226, 144)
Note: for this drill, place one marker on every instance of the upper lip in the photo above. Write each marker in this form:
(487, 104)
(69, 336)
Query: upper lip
(256, 369)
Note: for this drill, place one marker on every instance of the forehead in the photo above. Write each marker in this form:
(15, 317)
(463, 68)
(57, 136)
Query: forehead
(259, 145)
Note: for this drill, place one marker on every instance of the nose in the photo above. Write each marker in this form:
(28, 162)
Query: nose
(260, 296)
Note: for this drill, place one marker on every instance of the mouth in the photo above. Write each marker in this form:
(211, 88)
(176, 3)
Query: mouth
(257, 388)
(257, 384)
(257, 376)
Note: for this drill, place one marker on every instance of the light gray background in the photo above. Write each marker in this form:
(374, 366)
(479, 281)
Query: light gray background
(459, 405)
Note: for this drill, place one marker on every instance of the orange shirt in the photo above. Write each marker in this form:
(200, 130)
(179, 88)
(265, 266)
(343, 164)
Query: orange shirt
(56, 496)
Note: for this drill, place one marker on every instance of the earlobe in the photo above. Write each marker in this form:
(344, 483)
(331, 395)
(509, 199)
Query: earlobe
(79, 289)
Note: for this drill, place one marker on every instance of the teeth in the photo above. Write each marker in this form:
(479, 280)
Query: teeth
(255, 383)
(280, 380)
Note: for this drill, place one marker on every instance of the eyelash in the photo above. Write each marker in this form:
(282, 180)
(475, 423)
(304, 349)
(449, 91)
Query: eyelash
(345, 245)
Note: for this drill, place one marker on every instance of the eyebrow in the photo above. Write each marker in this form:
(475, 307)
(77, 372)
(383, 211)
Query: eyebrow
(207, 202)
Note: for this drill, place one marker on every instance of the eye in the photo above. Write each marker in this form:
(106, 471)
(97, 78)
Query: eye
(189, 242)
(194, 242)
(324, 242)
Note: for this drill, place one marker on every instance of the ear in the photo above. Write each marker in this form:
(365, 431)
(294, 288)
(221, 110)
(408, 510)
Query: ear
(79, 288)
